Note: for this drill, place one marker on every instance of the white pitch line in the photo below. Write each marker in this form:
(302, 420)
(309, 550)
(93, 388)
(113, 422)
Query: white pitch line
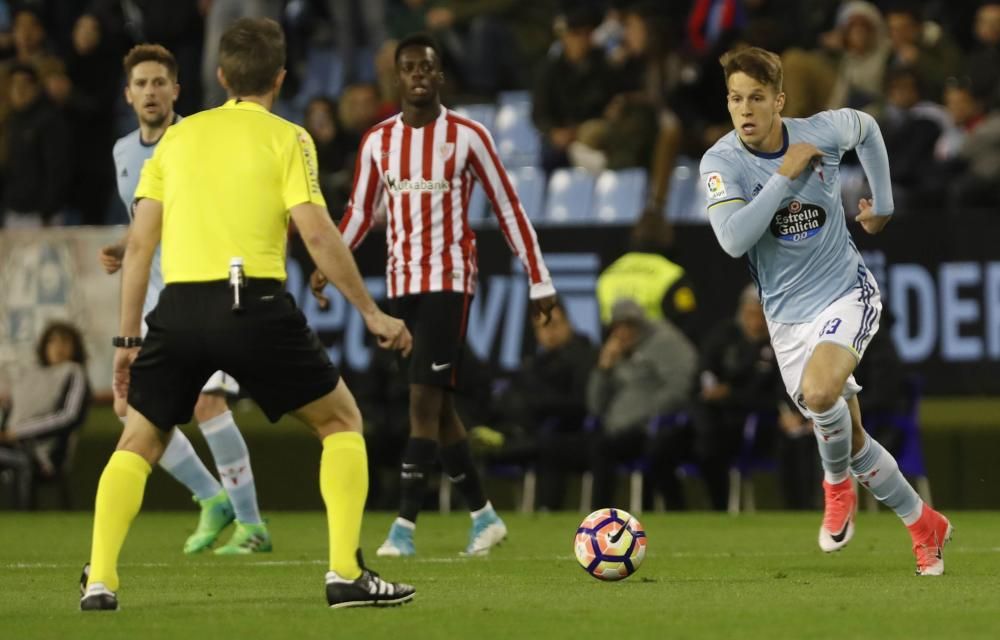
(456, 559)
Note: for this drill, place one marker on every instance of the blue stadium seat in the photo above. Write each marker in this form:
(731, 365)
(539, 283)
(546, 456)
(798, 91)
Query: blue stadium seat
(685, 200)
(478, 204)
(505, 98)
(528, 182)
(571, 192)
(619, 195)
(484, 114)
(516, 137)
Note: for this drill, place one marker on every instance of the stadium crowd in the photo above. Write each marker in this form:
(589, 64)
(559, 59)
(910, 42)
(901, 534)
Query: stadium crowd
(613, 84)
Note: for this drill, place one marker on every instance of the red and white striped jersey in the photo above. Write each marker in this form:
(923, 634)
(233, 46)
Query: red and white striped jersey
(425, 177)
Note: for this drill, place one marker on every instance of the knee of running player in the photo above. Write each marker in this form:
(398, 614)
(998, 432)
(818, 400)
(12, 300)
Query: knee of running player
(209, 405)
(820, 392)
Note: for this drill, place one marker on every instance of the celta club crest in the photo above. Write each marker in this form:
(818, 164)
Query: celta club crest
(446, 150)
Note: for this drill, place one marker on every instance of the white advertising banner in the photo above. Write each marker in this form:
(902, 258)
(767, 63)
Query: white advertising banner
(54, 274)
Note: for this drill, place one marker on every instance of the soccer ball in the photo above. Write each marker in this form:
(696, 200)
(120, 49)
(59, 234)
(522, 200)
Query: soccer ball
(610, 544)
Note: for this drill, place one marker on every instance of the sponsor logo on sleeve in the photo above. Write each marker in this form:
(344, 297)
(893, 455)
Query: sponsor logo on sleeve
(714, 186)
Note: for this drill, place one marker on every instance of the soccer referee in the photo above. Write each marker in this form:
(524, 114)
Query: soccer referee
(221, 185)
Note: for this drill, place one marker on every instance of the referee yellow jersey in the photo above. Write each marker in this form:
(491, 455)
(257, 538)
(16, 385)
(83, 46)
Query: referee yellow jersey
(227, 178)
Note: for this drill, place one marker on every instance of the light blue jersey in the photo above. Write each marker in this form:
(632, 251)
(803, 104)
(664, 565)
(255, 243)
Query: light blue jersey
(130, 154)
(794, 232)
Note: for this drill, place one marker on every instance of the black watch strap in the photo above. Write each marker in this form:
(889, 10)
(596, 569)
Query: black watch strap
(126, 342)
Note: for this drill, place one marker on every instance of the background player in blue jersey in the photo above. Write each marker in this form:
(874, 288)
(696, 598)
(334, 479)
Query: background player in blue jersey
(152, 89)
(773, 193)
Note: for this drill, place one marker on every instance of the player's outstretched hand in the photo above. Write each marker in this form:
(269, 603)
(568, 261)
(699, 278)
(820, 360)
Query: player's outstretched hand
(318, 282)
(391, 333)
(111, 257)
(123, 363)
(871, 222)
(542, 308)
(797, 158)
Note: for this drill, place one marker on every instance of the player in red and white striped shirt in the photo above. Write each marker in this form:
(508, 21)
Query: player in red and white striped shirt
(421, 165)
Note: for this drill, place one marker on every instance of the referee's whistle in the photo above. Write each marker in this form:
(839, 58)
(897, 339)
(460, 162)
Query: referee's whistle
(237, 281)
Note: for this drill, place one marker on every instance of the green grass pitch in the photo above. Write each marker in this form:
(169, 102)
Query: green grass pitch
(705, 576)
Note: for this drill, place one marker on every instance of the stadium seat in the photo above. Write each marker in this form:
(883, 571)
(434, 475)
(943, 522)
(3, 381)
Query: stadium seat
(484, 114)
(505, 98)
(571, 192)
(742, 496)
(516, 137)
(529, 182)
(684, 198)
(619, 195)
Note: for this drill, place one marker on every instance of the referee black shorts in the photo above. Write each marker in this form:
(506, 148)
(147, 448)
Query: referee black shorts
(437, 322)
(193, 332)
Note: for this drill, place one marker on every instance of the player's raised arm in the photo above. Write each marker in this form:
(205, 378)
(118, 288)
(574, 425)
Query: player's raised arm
(861, 132)
(514, 223)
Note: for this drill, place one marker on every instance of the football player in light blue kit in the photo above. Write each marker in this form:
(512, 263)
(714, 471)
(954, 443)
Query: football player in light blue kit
(773, 193)
(152, 89)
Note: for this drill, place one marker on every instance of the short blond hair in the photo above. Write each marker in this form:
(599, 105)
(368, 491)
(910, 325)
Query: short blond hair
(760, 64)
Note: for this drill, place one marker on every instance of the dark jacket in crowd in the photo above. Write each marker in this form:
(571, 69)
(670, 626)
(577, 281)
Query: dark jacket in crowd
(566, 95)
(748, 367)
(553, 384)
(38, 173)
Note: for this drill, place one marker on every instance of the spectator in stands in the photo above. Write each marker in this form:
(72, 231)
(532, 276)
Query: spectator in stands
(334, 151)
(573, 87)
(861, 47)
(354, 18)
(969, 151)
(911, 127)
(38, 138)
(922, 46)
(645, 369)
(492, 44)
(30, 48)
(218, 16)
(93, 66)
(358, 110)
(47, 403)
(646, 275)
(548, 399)
(986, 54)
(638, 128)
(739, 377)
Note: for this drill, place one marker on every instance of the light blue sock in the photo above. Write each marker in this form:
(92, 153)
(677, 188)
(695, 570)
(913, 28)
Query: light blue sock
(180, 461)
(233, 461)
(833, 437)
(875, 468)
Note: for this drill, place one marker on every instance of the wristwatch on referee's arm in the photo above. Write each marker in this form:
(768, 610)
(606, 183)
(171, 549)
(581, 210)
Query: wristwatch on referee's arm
(126, 342)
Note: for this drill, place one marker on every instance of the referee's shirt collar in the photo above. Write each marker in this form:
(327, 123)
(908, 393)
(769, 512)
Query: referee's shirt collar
(238, 103)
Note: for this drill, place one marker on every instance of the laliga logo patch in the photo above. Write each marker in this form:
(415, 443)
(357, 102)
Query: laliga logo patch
(715, 187)
(798, 221)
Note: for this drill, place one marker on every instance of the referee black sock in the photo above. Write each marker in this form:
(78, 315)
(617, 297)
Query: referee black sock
(418, 457)
(456, 459)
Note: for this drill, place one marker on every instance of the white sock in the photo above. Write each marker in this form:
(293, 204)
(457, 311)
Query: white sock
(233, 462)
(876, 469)
(833, 438)
(180, 461)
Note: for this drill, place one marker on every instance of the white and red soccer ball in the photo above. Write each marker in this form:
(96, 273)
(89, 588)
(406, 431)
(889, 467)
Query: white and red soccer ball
(610, 544)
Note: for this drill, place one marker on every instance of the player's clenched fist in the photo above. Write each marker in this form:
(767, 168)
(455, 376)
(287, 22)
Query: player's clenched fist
(797, 158)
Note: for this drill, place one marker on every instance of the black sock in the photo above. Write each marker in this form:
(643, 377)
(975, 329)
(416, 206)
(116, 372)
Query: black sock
(457, 463)
(418, 457)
